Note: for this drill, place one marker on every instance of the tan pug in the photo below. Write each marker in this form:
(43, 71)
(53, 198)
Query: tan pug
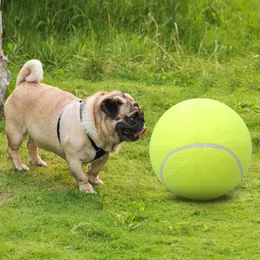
(80, 131)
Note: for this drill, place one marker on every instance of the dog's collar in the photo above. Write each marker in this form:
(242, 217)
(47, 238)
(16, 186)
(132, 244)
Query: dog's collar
(99, 151)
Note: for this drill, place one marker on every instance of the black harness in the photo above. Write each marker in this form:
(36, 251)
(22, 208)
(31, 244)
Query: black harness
(99, 151)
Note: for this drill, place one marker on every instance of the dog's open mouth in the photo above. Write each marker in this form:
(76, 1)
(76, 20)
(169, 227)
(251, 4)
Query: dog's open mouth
(131, 134)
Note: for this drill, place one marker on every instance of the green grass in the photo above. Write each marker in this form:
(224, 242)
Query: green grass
(44, 216)
(162, 52)
(152, 41)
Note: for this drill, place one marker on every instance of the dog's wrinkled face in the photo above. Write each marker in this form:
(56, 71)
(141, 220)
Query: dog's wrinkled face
(127, 116)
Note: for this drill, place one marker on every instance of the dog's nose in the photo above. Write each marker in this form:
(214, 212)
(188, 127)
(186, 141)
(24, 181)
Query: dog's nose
(136, 115)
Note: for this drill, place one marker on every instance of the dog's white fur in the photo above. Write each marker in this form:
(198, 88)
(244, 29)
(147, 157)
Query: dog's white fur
(33, 69)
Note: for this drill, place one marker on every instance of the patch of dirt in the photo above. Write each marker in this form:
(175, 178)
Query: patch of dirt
(2, 196)
(5, 196)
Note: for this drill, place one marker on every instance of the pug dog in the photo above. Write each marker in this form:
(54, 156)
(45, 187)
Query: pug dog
(80, 131)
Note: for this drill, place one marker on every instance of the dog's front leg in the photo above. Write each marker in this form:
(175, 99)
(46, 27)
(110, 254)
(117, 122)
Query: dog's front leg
(94, 169)
(80, 177)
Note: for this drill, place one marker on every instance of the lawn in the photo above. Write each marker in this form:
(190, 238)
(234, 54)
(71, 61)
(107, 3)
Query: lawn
(44, 216)
(161, 52)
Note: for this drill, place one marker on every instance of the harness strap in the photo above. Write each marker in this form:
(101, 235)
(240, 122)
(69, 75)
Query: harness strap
(58, 127)
(99, 151)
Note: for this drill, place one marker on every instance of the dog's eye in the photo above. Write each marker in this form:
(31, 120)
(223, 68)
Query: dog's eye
(129, 119)
(132, 119)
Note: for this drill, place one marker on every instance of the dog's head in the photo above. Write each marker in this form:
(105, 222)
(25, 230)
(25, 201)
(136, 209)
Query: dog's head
(125, 115)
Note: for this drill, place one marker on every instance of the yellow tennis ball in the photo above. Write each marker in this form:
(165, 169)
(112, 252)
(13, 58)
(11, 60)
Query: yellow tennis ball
(200, 149)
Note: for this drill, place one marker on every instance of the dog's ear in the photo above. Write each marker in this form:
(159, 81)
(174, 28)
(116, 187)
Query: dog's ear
(110, 106)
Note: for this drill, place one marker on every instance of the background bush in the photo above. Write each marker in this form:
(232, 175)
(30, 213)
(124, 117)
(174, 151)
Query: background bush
(147, 40)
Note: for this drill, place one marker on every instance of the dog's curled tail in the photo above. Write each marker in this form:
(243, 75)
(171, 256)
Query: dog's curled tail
(30, 72)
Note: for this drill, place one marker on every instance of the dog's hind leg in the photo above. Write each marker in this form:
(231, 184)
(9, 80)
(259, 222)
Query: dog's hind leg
(14, 141)
(35, 159)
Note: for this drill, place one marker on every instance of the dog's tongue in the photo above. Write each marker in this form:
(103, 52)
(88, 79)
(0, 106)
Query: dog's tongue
(141, 132)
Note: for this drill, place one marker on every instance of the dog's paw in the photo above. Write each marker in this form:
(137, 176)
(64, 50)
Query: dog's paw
(23, 167)
(95, 180)
(86, 188)
(38, 163)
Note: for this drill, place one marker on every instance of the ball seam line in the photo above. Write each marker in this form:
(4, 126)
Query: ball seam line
(201, 145)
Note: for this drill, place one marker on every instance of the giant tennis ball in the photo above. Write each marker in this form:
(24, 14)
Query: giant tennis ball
(200, 149)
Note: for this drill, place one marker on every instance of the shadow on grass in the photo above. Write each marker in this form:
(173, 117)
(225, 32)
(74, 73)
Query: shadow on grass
(31, 189)
(222, 199)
